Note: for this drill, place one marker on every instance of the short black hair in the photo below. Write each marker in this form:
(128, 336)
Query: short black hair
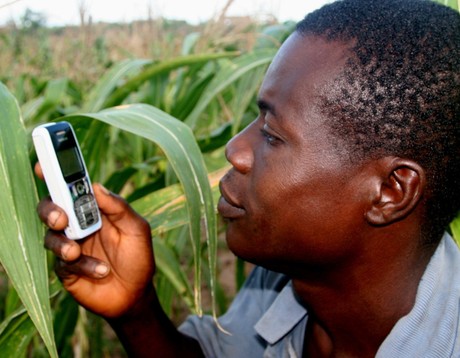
(399, 93)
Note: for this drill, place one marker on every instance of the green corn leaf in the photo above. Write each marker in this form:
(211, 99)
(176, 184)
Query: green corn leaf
(66, 317)
(109, 82)
(55, 90)
(179, 145)
(21, 234)
(189, 43)
(16, 332)
(12, 301)
(118, 179)
(454, 4)
(249, 84)
(54, 93)
(227, 76)
(165, 209)
(163, 67)
(166, 294)
(167, 262)
(455, 229)
(30, 109)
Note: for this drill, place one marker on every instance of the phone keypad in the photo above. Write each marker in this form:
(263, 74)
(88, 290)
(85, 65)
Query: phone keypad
(85, 205)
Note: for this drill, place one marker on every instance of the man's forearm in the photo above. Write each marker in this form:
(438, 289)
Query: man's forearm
(146, 331)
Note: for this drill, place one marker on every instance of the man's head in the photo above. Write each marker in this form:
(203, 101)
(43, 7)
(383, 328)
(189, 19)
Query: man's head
(289, 198)
(400, 91)
(337, 166)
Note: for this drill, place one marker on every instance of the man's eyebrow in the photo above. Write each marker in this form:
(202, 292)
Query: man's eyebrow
(265, 106)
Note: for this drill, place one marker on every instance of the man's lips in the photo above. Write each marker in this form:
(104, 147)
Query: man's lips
(227, 207)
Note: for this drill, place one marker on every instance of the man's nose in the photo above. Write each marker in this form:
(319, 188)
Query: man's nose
(239, 151)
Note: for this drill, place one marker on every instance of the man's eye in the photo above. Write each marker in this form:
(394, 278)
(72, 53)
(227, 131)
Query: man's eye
(268, 137)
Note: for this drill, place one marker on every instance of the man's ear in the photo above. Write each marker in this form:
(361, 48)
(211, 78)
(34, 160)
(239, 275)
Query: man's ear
(398, 187)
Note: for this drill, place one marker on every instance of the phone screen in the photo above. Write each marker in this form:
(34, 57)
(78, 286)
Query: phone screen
(70, 162)
(65, 145)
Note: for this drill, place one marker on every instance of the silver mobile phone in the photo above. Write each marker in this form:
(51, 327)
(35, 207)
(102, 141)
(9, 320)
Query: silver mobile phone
(66, 177)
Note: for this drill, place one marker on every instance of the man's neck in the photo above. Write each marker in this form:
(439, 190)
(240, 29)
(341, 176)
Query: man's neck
(351, 312)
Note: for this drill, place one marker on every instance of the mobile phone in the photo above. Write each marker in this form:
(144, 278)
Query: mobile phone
(66, 177)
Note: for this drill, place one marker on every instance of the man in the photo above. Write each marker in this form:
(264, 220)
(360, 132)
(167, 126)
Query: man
(340, 191)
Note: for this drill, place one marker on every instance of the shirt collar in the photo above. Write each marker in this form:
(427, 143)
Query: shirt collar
(282, 316)
(431, 327)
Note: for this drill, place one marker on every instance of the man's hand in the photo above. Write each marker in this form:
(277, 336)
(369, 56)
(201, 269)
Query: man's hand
(109, 271)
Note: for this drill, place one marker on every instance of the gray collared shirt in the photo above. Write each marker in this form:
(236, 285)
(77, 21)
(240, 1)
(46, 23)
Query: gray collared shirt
(265, 319)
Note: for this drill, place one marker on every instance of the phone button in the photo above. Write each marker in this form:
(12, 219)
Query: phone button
(81, 188)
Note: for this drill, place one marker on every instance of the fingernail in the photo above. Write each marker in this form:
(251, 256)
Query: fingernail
(64, 251)
(53, 217)
(101, 270)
